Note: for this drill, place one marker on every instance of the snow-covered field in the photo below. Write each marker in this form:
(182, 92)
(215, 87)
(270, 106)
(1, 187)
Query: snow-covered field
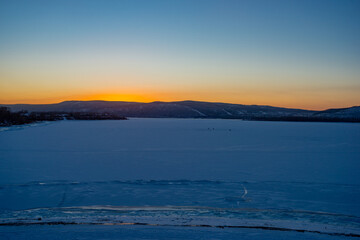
(180, 179)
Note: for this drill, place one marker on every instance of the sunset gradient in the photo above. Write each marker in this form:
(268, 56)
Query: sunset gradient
(301, 54)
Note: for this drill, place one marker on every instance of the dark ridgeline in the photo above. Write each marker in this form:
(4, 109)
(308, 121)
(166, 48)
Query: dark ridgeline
(102, 110)
(8, 118)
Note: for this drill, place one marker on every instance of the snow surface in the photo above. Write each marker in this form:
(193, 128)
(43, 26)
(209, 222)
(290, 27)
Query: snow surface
(180, 173)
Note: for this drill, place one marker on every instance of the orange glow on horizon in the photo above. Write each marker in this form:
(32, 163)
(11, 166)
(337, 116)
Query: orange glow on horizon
(249, 98)
(119, 97)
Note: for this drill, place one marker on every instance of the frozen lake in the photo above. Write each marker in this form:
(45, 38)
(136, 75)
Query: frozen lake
(176, 173)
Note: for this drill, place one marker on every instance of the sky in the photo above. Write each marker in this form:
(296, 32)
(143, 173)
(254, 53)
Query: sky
(299, 54)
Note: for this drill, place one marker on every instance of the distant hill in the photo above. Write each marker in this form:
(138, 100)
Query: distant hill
(194, 109)
(351, 112)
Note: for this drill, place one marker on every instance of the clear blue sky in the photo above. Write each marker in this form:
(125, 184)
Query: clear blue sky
(285, 53)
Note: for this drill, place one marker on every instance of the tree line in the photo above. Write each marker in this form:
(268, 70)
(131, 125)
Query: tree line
(8, 118)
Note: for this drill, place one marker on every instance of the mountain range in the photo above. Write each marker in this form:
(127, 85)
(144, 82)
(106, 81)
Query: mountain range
(194, 109)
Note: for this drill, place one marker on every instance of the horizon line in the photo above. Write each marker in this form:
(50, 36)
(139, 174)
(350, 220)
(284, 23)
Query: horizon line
(99, 100)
